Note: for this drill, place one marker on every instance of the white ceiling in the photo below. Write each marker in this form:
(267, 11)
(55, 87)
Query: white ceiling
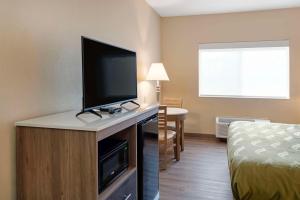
(197, 7)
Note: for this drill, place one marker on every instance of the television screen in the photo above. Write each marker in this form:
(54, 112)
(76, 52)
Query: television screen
(109, 74)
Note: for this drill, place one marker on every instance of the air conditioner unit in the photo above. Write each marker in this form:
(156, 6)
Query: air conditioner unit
(222, 124)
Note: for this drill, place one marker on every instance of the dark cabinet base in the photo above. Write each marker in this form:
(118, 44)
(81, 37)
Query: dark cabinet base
(127, 191)
(148, 158)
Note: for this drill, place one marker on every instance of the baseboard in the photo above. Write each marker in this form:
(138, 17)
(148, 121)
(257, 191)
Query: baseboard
(204, 136)
(201, 135)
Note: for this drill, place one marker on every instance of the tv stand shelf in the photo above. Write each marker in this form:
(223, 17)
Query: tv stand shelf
(57, 155)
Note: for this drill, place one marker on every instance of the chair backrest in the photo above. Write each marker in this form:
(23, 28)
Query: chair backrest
(162, 119)
(173, 102)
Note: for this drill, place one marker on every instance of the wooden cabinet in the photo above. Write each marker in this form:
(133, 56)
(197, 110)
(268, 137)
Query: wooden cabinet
(57, 156)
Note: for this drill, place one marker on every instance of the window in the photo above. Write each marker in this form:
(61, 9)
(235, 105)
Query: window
(244, 70)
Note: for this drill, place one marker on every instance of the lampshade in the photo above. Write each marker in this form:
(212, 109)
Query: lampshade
(157, 72)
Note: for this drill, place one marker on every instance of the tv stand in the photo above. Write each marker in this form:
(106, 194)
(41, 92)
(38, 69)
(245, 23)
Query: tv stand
(131, 101)
(62, 153)
(90, 111)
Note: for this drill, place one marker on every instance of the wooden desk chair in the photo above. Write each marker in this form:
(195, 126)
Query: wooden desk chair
(175, 103)
(172, 102)
(167, 138)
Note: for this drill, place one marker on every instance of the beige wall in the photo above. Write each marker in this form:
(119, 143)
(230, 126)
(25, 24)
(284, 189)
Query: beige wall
(180, 37)
(40, 58)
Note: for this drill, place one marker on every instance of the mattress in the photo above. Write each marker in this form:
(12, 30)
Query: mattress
(264, 160)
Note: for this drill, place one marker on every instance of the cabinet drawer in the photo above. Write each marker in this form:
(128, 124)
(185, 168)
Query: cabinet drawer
(127, 191)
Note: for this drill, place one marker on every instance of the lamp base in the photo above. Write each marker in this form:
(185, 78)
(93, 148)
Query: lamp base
(157, 92)
(158, 97)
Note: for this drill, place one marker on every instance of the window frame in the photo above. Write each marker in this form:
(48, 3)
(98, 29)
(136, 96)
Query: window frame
(257, 44)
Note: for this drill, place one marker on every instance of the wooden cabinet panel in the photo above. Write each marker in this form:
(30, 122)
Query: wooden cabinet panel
(55, 164)
(83, 166)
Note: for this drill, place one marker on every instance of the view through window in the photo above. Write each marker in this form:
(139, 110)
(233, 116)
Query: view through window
(244, 70)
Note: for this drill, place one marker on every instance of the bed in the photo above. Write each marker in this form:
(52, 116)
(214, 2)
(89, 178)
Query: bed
(264, 160)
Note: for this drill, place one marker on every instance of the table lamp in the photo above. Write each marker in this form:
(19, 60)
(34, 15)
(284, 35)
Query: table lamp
(157, 73)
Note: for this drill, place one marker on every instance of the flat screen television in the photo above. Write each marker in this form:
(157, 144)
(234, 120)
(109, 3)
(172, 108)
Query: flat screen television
(109, 74)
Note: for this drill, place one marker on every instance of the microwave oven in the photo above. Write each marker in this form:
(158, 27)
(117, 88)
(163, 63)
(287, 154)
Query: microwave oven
(113, 161)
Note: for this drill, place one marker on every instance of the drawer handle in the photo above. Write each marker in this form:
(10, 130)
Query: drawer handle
(126, 197)
(112, 173)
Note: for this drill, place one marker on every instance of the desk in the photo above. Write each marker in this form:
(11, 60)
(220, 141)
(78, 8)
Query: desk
(178, 115)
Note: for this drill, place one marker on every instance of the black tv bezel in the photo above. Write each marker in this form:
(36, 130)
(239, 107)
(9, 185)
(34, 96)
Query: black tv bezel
(85, 109)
